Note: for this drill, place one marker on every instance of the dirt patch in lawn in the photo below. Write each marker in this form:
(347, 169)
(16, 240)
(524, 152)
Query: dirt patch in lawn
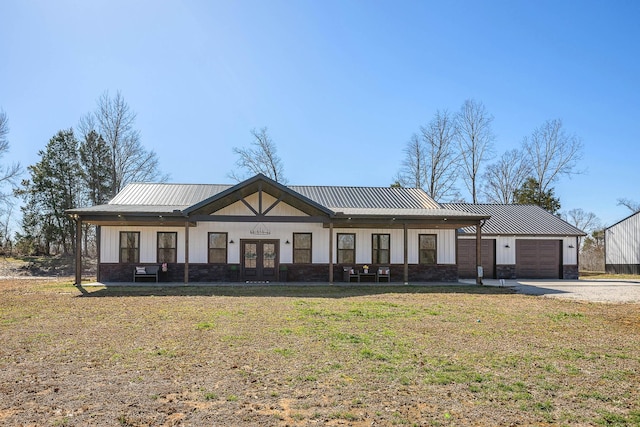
(312, 356)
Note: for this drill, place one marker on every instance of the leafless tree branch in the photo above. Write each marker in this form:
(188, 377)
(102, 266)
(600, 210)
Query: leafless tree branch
(261, 159)
(475, 140)
(552, 153)
(502, 178)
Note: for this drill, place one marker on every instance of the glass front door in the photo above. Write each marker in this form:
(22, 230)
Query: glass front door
(260, 260)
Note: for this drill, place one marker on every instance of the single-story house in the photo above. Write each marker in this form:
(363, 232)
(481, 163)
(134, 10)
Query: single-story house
(622, 246)
(262, 231)
(519, 241)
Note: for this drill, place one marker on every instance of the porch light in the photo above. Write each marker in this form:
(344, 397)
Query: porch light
(571, 246)
(507, 246)
(287, 242)
(231, 242)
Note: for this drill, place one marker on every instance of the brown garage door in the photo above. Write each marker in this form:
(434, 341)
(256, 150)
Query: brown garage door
(538, 259)
(467, 258)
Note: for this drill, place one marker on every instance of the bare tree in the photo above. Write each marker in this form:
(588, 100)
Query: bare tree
(130, 161)
(262, 158)
(632, 205)
(552, 153)
(430, 161)
(442, 160)
(8, 173)
(412, 173)
(475, 140)
(585, 221)
(502, 178)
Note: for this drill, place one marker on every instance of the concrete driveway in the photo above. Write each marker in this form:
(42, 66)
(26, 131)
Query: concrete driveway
(614, 291)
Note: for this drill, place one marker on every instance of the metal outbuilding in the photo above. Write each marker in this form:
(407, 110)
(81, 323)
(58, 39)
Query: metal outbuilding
(622, 246)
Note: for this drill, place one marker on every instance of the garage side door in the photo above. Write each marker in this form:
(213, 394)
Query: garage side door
(467, 258)
(538, 259)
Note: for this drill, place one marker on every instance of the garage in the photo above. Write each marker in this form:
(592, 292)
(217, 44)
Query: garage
(467, 258)
(538, 259)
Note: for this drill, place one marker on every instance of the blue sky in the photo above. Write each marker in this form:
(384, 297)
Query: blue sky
(341, 85)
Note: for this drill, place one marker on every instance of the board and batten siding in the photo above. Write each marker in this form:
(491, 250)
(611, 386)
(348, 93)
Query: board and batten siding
(445, 244)
(198, 244)
(622, 242)
(110, 243)
(507, 255)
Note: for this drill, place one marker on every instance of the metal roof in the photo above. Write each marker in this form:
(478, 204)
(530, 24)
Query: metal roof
(517, 220)
(153, 194)
(161, 197)
(340, 198)
(175, 199)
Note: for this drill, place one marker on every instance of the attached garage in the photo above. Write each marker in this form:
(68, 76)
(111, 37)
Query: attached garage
(522, 241)
(538, 259)
(467, 258)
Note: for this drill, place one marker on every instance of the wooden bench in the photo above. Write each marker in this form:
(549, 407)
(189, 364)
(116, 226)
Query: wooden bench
(148, 271)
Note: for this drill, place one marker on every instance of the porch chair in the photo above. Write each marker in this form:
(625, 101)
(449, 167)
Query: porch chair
(350, 274)
(384, 273)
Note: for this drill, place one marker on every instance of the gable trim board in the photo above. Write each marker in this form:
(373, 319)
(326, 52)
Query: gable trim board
(260, 210)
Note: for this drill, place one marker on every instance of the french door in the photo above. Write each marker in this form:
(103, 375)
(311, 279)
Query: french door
(260, 260)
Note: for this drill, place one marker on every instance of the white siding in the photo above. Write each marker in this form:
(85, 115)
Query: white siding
(622, 242)
(110, 241)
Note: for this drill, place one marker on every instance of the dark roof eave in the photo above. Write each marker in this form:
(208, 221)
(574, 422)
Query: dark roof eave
(399, 218)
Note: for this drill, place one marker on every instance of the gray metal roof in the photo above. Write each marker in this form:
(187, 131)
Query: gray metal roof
(517, 220)
(173, 199)
(340, 198)
(153, 194)
(162, 197)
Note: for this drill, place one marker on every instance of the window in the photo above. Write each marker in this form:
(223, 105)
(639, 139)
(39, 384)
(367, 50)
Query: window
(302, 248)
(427, 248)
(218, 248)
(380, 248)
(129, 246)
(167, 244)
(346, 248)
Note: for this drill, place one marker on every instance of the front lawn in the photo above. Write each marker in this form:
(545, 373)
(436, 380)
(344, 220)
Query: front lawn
(313, 356)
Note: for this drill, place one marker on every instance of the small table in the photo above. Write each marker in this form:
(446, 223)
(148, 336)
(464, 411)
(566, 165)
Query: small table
(369, 277)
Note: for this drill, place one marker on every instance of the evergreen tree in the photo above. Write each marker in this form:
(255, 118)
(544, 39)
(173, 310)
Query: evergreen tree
(96, 162)
(55, 185)
(531, 194)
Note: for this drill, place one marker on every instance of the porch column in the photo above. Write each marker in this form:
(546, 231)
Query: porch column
(78, 251)
(479, 253)
(406, 255)
(98, 253)
(186, 252)
(331, 253)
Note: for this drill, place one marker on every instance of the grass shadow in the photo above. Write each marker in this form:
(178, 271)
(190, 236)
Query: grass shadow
(293, 291)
